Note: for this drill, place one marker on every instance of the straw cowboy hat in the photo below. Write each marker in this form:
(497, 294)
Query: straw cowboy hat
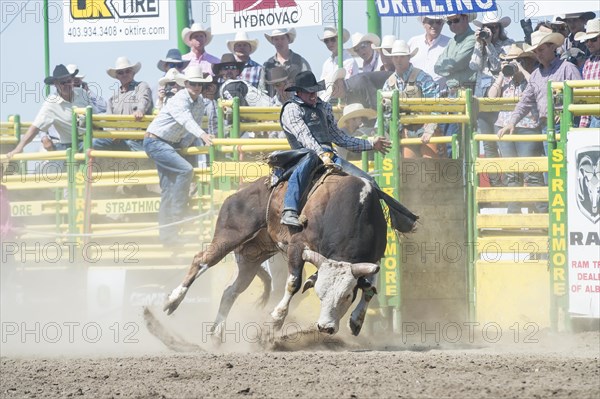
(516, 51)
(280, 74)
(227, 59)
(306, 81)
(358, 38)
(242, 37)
(291, 33)
(171, 76)
(401, 48)
(60, 72)
(356, 110)
(492, 17)
(173, 57)
(123, 63)
(193, 74)
(592, 30)
(540, 37)
(450, 16)
(186, 33)
(330, 31)
(72, 68)
(386, 42)
(583, 15)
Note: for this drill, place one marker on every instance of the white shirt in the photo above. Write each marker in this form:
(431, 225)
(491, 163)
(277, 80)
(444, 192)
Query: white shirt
(428, 55)
(331, 65)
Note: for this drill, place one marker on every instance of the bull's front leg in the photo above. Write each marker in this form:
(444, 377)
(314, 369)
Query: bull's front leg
(357, 318)
(294, 282)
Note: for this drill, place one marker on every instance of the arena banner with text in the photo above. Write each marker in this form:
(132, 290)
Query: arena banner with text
(583, 207)
(231, 16)
(387, 8)
(115, 20)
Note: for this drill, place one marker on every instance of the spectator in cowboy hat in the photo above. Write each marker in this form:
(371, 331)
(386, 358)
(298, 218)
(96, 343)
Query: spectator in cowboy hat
(453, 63)
(413, 82)
(197, 38)
(576, 23)
(361, 46)
(168, 86)
(330, 38)
(133, 98)
(173, 59)
(353, 122)
(431, 45)
(284, 57)
(386, 62)
(280, 78)
(551, 68)
(56, 111)
(180, 118)
(591, 68)
(242, 47)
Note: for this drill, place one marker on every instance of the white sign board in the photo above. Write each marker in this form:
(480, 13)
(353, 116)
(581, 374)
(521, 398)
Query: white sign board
(231, 16)
(115, 20)
(583, 215)
(545, 8)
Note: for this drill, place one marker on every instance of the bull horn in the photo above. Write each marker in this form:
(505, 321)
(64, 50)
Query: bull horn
(309, 283)
(364, 269)
(313, 257)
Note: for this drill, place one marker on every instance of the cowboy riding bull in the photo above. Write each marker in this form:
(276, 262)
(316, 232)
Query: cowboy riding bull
(342, 228)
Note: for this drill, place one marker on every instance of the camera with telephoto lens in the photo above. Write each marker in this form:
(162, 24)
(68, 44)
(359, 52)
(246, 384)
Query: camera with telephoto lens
(483, 34)
(510, 69)
(169, 90)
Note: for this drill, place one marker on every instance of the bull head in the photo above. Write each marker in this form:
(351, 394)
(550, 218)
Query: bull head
(335, 286)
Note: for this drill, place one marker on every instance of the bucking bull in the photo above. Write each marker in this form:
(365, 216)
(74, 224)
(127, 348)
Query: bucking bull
(344, 236)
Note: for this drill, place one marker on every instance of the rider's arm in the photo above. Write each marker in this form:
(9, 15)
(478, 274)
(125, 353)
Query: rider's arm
(293, 123)
(342, 139)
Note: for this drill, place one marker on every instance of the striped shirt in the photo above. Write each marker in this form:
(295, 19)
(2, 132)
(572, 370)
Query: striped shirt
(591, 71)
(179, 116)
(299, 135)
(252, 73)
(428, 87)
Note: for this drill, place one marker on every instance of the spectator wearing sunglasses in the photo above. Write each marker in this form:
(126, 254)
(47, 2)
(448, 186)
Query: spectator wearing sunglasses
(177, 121)
(576, 23)
(242, 47)
(454, 61)
(197, 38)
(330, 39)
(362, 48)
(431, 45)
(591, 68)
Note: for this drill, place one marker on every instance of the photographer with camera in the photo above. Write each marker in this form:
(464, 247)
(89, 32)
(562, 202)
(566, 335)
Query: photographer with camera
(517, 66)
(490, 42)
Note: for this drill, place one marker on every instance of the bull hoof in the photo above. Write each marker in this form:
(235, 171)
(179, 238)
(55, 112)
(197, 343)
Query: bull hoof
(277, 320)
(175, 299)
(355, 327)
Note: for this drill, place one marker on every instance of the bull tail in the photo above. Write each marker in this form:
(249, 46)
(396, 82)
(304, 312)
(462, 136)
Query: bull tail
(401, 219)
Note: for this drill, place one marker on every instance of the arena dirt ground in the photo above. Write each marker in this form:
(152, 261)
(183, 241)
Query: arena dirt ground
(306, 365)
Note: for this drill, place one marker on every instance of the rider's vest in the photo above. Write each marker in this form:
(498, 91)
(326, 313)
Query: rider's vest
(411, 88)
(315, 119)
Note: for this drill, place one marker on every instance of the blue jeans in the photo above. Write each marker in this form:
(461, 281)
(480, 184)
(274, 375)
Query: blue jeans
(175, 176)
(594, 121)
(300, 178)
(449, 129)
(485, 125)
(117, 145)
(509, 149)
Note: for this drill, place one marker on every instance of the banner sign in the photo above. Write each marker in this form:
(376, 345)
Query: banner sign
(388, 8)
(115, 20)
(231, 16)
(583, 207)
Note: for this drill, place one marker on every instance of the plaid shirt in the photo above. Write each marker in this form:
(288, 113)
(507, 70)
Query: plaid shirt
(252, 73)
(591, 71)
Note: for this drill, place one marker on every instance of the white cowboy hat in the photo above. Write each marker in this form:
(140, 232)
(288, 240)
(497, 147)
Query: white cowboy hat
(280, 32)
(72, 68)
(193, 74)
(123, 63)
(196, 27)
(449, 16)
(172, 76)
(386, 42)
(400, 47)
(540, 37)
(358, 38)
(240, 37)
(492, 17)
(592, 30)
(356, 110)
(330, 31)
(516, 51)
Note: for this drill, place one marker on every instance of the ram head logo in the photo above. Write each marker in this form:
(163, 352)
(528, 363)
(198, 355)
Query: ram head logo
(588, 182)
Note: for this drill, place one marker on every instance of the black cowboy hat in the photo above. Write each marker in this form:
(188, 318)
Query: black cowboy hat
(60, 72)
(306, 81)
(227, 59)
